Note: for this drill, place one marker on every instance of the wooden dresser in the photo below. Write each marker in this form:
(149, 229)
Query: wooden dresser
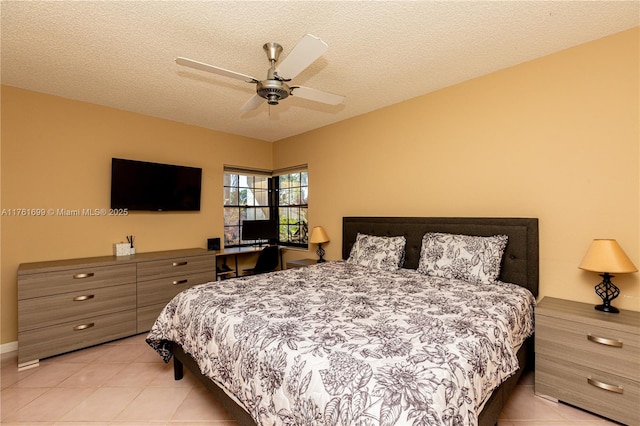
(160, 280)
(71, 304)
(588, 358)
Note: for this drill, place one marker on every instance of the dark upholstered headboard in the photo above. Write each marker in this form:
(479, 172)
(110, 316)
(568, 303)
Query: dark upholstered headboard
(520, 260)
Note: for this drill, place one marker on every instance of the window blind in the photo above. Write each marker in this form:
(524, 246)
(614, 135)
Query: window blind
(246, 171)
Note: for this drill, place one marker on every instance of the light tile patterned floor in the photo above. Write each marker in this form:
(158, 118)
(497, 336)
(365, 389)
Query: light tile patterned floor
(125, 383)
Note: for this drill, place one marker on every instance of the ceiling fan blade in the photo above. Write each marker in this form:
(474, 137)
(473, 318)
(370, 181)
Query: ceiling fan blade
(254, 102)
(216, 70)
(316, 95)
(304, 54)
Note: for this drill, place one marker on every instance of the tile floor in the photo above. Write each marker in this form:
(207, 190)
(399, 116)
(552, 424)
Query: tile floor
(125, 383)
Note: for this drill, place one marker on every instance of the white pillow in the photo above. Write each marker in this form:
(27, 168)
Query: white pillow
(386, 253)
(463, 257)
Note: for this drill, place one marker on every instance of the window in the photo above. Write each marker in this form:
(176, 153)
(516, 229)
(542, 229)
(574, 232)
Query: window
(293, 193)
(246, 197)
(257, 195)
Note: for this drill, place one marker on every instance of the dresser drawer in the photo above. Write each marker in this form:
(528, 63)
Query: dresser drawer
(147, 316)
(175, 266)
(76, 279)
(48, 341)
(162, 290)
(68, 307)
(597, 347)
(600, 392)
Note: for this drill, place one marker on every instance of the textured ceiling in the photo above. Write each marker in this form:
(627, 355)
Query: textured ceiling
(121, 53)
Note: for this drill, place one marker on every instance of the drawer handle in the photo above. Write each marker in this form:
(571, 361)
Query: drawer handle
(604, 341)
(605, 386)
(179, 263)
(180, 282)
(81, 276)
(83, 326)
(83, 298)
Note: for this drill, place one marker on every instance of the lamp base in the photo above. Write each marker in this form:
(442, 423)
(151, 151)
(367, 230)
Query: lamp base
(607, 308)
(607, 292)
(320, 253)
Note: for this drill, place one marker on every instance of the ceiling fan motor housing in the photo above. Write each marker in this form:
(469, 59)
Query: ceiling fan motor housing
(273, 91)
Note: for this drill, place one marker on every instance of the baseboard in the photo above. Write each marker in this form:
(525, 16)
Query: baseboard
(8, 347)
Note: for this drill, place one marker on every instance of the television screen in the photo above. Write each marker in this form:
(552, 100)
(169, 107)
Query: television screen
(140, 185)
(259, 230)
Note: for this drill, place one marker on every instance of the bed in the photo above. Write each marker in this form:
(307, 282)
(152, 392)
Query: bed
(345, 343)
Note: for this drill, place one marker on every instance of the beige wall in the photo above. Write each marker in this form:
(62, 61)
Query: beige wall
(56, 153)
(557, 138)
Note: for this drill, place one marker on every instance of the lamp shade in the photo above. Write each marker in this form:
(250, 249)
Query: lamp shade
(607, 256)
(318, 236)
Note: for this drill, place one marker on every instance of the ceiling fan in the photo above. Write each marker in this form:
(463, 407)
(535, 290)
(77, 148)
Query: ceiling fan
(275, 88)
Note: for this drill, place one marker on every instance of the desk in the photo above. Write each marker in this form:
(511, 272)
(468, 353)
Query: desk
(235, 252)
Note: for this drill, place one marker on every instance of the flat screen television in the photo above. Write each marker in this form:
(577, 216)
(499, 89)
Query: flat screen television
(259, 230)
(141, 185)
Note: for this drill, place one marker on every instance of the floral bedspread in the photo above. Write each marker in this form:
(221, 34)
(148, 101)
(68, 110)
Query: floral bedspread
(341, 344)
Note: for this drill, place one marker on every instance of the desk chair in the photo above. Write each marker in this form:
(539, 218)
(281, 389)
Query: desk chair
(267, 261)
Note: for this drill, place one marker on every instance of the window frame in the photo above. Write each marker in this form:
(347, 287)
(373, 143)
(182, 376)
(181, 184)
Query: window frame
(301, 228)
(273, 179)
(244, 207)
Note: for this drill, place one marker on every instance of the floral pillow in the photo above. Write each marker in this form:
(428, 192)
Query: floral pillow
(463, 257)
(386, 253)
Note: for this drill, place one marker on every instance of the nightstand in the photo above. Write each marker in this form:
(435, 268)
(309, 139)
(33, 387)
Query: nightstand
(589, 358)
(299, 263)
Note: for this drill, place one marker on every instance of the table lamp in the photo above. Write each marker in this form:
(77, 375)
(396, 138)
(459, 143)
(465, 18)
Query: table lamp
(607, 257)
(318, 236)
